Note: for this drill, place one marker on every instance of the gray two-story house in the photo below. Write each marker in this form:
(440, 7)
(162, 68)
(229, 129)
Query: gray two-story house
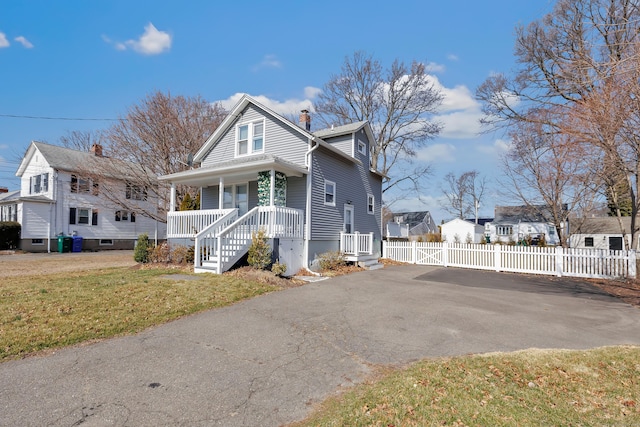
(310, 192)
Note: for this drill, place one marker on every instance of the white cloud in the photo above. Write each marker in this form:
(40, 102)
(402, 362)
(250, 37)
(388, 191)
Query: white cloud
(437, 153)
(24, 42)
(461, 124)
(151, 42)
(499, 147)
(312, 92)
(452, 57)
(269, 61)
(3, 40)
(433, 67)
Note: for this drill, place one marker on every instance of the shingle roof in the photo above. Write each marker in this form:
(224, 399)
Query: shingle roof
(604, 225)
(515, 214)
(339, 130)
(10, 196)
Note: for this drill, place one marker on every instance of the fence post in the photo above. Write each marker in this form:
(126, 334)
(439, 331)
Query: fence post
(496, 257)
(632, 264)
(559, 261)
(384, 249)
(356, 245)
(414, 252)
(445, 254)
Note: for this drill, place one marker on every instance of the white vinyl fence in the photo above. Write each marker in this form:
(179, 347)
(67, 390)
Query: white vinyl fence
(592, 263)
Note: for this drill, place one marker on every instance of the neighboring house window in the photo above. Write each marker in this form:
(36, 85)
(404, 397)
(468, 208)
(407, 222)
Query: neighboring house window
(79, 184)
(371, 202)
(136, 192)
(250, 138)
(37, 241)
(9, 212)
(588, 242)
(504, 230)
(125, 216)
(399, 219)
(329, 193)
(552, 230)
(39, 183)
(106, 242)
(85, 216)
(362, 148)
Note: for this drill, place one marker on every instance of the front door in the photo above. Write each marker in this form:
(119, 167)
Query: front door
(348, 219)
(236, 196)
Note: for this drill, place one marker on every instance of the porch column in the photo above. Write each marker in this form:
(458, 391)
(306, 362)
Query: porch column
(272, 188)
(221, 193)
(172, 202)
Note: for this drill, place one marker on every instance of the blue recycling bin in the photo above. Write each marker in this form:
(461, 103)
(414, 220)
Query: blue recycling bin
(76, 245)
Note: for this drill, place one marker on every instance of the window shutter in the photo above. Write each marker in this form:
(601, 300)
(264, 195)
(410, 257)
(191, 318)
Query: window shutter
(94, 217)
(45, 182)
(72, 215)
(133, 217)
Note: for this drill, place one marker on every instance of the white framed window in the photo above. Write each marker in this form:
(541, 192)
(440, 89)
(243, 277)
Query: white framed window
(39, 183)
(83, 216)
(504, 230)
(106, 242)
(135, 192)
(329, 193)
(362, 148)
(125, 216)
(9, 212)
(588, 242)
(250, 138)
(37, 242)
(371, 204)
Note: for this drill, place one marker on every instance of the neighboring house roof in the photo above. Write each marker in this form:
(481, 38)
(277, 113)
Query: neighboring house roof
(418, 222)
(526, 213)
(10, 197)
(604, 225)
(481, 221)
(70, 160)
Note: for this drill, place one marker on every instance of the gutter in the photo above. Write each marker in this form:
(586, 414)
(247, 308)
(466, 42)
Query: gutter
(307, 231)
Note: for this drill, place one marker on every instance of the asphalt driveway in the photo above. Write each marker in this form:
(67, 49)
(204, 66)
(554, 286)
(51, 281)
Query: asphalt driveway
(266, 361)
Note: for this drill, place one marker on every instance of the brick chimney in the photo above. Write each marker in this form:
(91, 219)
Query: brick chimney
(96, 149)
(305, 120)
(4, 190)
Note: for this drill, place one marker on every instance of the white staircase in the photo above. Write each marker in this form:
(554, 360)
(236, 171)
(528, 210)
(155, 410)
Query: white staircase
(223, 243)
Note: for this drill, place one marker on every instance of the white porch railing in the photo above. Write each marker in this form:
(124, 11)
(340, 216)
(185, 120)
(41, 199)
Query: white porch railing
(356, 243)
(592, 263)
(186, 224)
(225, 242)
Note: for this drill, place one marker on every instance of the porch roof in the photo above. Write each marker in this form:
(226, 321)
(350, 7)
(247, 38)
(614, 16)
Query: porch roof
(245, 168)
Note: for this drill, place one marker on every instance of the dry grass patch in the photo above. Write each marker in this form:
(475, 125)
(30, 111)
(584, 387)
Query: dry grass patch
(528, 388)
(56, 310)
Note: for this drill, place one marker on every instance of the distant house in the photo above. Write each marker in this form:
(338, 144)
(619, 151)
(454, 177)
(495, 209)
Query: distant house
(409, 225)
(515, 223)
(56, 198)
(9, 204)
(462, 231)
(600, 233)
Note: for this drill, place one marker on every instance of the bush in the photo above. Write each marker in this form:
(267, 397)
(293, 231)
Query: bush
(9, 234)
(160, 253)
(181, 254)
(331, 260)
(278, 269)
(141, 252)
(259, 251)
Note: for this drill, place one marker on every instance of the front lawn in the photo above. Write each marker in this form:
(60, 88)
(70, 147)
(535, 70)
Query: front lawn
(57, 310)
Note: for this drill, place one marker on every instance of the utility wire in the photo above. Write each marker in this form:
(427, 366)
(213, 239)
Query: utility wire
(15, 116)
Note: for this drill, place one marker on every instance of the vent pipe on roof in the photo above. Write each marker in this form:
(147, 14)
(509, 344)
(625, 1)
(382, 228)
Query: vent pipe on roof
(305, 120)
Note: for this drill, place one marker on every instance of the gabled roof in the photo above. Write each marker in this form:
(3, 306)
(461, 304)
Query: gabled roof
(70, 160)
(603, 225)
(235, 112)
(525, 213)
(11, 196)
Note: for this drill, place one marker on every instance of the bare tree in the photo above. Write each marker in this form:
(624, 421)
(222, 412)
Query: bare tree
(398, 102)
(155, 137)
(463, 193)
(83, 140)
(581, 62)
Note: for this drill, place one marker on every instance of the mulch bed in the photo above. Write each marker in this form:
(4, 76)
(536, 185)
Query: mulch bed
(627, 290)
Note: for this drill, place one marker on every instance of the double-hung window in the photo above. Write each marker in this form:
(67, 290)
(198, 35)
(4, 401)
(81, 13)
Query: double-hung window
(250, 138)
(39, 183)
(371, 204)
(85, 216)
(329, 193)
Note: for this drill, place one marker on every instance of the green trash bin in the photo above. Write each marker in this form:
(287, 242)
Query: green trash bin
(64, 244)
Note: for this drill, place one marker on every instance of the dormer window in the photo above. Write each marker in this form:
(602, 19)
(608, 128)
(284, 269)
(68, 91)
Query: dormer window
(39, 184)
(250, 138)
(362, 148)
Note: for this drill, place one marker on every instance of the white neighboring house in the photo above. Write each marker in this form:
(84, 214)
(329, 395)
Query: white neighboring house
(9, 204)
(600, 233)
(410, 225)
(462, 231)
(514, 223)
(55, 199)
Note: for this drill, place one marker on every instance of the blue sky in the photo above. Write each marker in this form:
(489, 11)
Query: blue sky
(79, 59)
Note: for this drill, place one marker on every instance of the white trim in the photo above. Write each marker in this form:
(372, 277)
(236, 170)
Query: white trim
(325, 192)
(105, 242)
(371, 205)
(251, 137)
(364, 148)
(348, 207)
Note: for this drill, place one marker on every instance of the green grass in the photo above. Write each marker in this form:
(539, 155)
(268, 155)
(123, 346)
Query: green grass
(599, 387)
(53, 311)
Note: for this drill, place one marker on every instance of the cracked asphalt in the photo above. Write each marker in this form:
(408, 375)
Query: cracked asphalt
(267, 361)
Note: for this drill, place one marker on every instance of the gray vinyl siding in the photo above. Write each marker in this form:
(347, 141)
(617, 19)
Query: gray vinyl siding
(353, 182)
(253, 194)
(361, 136)
(279, 140)
(209, 197)
(343, 143)
(297, 192)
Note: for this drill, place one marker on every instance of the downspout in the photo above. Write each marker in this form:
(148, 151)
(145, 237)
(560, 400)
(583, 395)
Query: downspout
(307, 231)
